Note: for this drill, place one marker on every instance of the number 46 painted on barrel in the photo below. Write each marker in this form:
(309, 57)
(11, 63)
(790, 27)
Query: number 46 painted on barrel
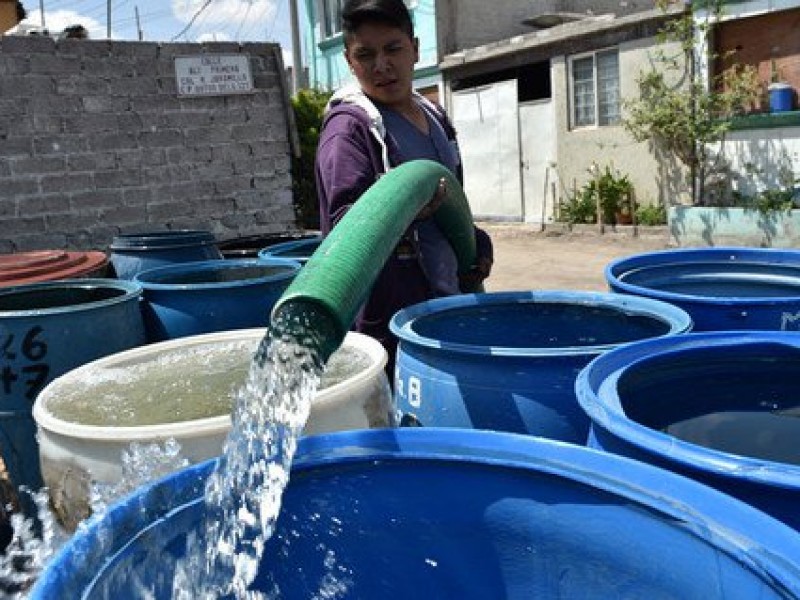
(30, 348)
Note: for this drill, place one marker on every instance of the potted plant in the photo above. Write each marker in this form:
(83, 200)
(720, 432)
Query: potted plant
(624, 214)
(615, 192)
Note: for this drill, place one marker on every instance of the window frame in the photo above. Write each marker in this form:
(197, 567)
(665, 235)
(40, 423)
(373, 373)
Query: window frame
(573, 110)
(330, 18)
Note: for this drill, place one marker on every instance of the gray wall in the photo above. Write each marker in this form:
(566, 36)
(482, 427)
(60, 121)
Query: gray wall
(655, 178)
(463, 24)
(94, 142)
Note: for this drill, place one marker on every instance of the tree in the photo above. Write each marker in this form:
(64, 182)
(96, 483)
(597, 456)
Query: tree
(683, 108)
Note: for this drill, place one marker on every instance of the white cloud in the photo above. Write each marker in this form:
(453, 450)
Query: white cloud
(231, 13)
(239, 20)
(58, 20)
(213, 37)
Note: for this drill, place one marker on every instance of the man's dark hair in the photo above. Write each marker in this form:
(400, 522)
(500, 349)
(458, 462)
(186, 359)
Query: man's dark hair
(388, 12)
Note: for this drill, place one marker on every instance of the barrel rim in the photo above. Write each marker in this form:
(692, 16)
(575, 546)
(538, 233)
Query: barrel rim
(195, 428)
(760, 543)
(400, 325)
(281, 237)
(279, 250)
(595, 389)
(291, 269)
(161, 240)
(616, 269)
(131, 290)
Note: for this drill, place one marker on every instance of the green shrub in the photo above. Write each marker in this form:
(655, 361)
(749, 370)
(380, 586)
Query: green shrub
(580, 208)
(613, 189)
(651, 214)
(772, 200)
(309, 107)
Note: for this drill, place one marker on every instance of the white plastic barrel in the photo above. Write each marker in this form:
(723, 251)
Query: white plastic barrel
(75, 450)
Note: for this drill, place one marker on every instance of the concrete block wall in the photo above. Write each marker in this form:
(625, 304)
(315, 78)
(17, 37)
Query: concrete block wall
(94, 141)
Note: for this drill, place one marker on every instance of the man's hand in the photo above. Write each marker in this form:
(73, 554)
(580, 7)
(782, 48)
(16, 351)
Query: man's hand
(472, 280)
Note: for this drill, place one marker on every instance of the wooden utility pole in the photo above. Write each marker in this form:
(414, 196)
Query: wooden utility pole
(108, 19)
(138, 22)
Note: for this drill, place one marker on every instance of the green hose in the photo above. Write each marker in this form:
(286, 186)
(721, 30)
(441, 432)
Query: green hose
(329, 290)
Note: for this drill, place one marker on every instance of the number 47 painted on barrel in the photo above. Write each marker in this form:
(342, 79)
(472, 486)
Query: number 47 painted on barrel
(32, 349)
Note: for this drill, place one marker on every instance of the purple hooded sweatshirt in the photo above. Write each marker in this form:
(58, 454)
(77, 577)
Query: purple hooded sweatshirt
(353, 152)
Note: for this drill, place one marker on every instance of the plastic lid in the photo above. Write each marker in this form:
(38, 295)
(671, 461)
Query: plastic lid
(47, 265)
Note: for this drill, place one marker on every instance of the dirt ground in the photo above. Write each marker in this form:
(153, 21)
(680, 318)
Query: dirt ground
(528, 259)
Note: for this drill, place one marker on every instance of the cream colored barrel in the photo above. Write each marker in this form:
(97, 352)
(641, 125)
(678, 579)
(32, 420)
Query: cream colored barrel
(174, 377)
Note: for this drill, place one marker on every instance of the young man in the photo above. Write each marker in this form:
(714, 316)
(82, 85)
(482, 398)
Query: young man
(375, 125)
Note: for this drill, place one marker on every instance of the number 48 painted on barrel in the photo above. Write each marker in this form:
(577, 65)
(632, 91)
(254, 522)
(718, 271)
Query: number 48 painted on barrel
(31, 348)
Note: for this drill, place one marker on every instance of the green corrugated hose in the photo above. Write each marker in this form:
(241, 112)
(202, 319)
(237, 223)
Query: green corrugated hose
(329, 290)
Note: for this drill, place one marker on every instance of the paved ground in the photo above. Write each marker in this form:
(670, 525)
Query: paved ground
(557, 259)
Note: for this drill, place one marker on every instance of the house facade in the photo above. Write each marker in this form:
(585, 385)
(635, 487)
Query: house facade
(537, 93)
(763, 149)
(324, 46)
(538, 108)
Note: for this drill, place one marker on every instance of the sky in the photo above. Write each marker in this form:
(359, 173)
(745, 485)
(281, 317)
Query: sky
(172, 20)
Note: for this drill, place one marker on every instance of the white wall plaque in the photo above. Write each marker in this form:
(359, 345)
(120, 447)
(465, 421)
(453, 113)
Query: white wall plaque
(213, 74)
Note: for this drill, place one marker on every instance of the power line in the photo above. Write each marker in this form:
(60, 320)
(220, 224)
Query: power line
(275, 19)
(192, 20)
(255, 25)
(244, 19)
(154, 15)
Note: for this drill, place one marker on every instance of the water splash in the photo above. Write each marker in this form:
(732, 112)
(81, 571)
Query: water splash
(243, 494)
(35, 540)
(141, 464)
(33, 543)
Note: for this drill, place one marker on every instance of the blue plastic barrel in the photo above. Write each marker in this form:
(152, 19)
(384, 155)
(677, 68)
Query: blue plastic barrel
(781, 97)
(136, 252)
(508, 361)
(721, 407)
(250, 246)
(217, 295)
(413, 513)
(47, 329)
(721, 288)
(300, 250)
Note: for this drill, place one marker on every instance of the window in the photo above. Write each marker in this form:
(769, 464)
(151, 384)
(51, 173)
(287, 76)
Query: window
(331, 17)
(331, 13)
(595, 89)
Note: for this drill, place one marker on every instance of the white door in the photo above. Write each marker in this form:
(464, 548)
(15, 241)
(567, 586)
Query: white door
(487, 123)
(538, 152)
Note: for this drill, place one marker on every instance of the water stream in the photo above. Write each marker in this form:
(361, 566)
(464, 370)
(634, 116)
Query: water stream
(243, 494)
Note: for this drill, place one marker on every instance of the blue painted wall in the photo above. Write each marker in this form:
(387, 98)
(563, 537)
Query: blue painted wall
(324, 55)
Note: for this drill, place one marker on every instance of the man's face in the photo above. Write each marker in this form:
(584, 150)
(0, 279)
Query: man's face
(382, 58)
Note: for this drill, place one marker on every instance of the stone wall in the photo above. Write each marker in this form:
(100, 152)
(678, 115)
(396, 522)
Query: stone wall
(95, 141)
